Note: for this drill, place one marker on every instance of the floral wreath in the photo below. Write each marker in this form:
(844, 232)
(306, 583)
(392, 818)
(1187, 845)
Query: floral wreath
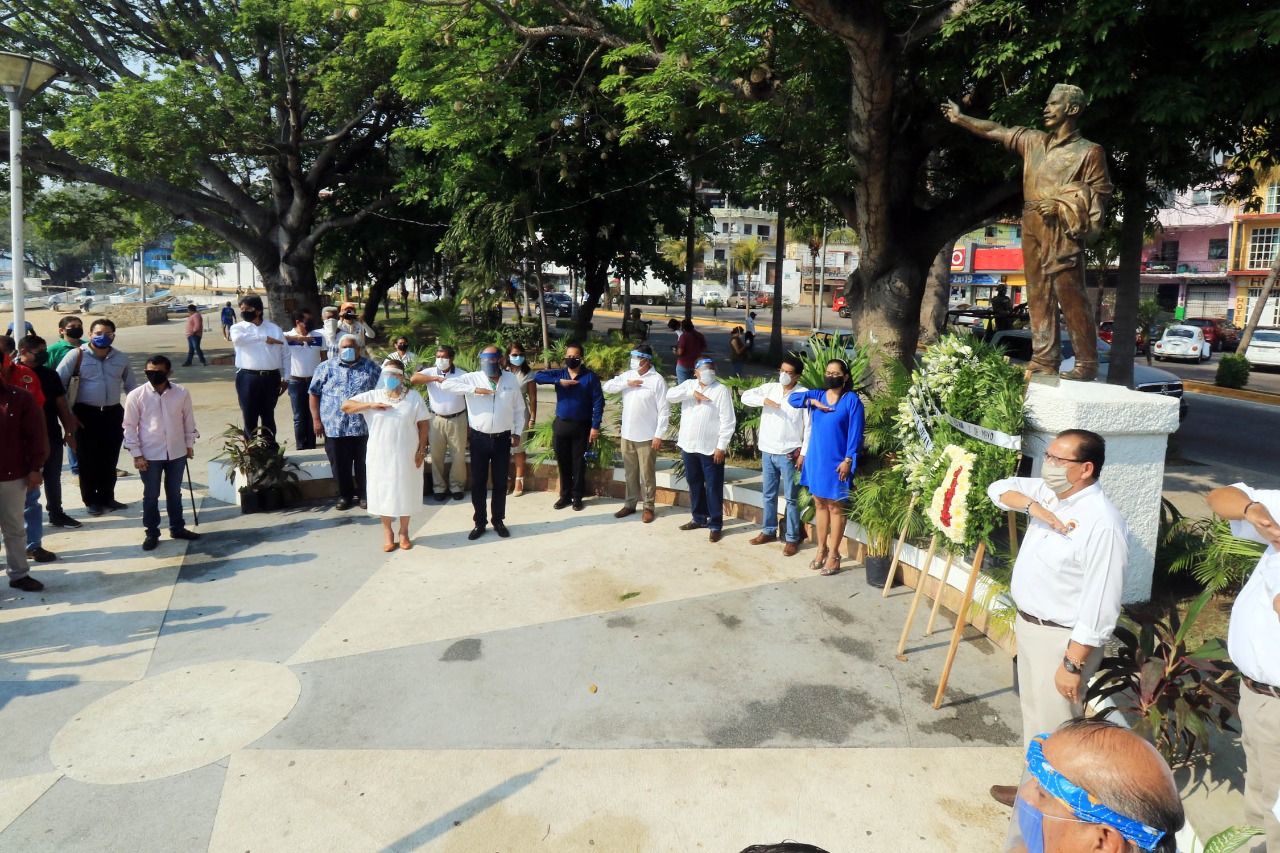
(965, 379)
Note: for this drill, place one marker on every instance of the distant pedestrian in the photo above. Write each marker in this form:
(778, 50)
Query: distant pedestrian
(737, 351)
(195, 331)
(495, 413)
(579, 412)
(306, 351)
(262, 366)
(707, 423)
(104, 377)
(689, 348)
(160, 434)
(645, 416)
(228, 317)
(750, 334)
(346, 435)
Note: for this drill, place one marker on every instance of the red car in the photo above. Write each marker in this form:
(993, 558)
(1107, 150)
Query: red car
(838, 305)
(1220, 334)
(1105, 334)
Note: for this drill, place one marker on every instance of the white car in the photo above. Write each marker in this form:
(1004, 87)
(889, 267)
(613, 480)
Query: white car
(1184, 342)
(1264, 349)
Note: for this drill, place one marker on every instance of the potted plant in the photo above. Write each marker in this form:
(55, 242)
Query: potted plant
(267, 477)
(881, 504)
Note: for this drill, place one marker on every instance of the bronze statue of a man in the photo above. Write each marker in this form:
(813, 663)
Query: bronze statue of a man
(1065, 188)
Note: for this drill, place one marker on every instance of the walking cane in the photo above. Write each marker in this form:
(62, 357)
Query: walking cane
(195, 515)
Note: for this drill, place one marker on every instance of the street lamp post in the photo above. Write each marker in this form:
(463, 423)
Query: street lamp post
(21, 79)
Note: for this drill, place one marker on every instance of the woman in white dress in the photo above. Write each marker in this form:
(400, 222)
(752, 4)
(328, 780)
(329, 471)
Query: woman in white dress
(398, 427)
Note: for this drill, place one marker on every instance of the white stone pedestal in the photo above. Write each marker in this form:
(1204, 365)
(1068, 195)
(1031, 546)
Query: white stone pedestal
(1136, 426)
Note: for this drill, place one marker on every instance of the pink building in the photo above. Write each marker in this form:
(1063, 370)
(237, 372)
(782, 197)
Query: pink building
(1186, 262)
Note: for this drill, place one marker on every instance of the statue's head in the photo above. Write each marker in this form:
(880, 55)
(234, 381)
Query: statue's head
(1064, 106)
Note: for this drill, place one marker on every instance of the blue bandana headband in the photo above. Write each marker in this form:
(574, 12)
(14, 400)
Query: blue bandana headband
(1083, 804)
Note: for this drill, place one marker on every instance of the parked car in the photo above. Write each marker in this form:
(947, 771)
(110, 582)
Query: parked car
(1152, 380)
(558, 304)
(1182, 342)
(1220, 334)
(1264, 349)
(1106, 328)
(804, 347)
(982, 321)
(745, 299)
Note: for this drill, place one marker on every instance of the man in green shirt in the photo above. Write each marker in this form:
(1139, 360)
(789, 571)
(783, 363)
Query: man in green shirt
(70, 335)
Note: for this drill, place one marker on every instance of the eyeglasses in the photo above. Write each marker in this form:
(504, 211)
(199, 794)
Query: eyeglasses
(1058, 460)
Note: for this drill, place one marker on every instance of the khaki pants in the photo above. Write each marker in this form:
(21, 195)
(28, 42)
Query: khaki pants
(637, 461)
(1260, 734)
(448, 434)
(1040, 651)
(13, 499)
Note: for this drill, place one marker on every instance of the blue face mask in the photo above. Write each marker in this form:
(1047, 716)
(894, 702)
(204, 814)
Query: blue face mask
(101, 341)
(517, 360)
(393, 382)
(1030, 825)
(347, 354)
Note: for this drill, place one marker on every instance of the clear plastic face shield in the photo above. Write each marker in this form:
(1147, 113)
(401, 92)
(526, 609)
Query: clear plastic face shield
(392, 382)
(491, 365)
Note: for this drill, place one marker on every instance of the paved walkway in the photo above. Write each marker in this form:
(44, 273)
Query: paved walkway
(590, 683)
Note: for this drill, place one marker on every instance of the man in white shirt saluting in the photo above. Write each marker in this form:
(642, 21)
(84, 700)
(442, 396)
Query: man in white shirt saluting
(645, 414)
(1253, 640)
(1067, 581)
(448, 424)
(495, 416)
(262, 366)
(706, 428)
(784, 435)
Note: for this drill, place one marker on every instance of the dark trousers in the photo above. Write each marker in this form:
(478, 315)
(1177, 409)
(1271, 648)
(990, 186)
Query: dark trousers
(193, 349)
(490, 458)
(53, 478)
(258, 394)
(570, 441)
(346, 459)
(304, 431)
(171, 471)
(706, 489)
(98, 444)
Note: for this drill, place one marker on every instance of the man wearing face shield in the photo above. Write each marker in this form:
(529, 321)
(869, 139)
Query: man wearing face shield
(105, 379)
(645, 414)
(1093, 786)
(707, 422)
(346, 435)
(495, 415)
(1067, 580)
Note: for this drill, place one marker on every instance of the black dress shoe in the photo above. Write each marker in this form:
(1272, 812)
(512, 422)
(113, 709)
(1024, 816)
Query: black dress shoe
(1004, 794)
(476, 533)
(691, 525)
(96, 510)
(61, 519)
(442, 496)
(343, 503)
(501, 529)
(715, 536)
(116, 505)
(562, 503)
(150, 543)
(26, 584)
(40, 555)
(364, 504)
(577, 506)
(457, 496)
(184, 533)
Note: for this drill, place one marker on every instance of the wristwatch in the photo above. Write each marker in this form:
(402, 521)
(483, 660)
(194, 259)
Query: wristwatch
(1071, 666)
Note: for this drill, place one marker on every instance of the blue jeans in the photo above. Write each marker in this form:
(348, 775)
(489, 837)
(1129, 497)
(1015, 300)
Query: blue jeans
(33, 519)
(193, 349)
(706, 489)
(304, 431)
(779, 469)
(171, 471)
(684, 374)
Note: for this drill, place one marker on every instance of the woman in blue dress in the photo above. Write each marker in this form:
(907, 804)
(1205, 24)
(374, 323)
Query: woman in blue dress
(835, 433)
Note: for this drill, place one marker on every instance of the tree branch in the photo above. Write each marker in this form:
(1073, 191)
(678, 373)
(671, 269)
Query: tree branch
(309, 242)
(930, 23)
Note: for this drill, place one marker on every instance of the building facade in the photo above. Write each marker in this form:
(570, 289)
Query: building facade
(1255, 237)
(1186, 261)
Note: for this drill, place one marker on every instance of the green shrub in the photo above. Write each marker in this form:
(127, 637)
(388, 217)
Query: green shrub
(1233, 371)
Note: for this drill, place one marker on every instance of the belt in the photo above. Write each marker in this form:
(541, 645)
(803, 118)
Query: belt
(1044, 622)
(98, 408)
(300, 378)
(505, 433)
(454, 415)
(1259, 687)
(258, 372)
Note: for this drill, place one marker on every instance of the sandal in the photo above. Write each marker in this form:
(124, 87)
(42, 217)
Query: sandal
(829, 570)
(405, 544)
(818, 561)
(519, 489)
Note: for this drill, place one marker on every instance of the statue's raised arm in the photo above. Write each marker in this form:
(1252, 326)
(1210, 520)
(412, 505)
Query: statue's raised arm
(1065, 189)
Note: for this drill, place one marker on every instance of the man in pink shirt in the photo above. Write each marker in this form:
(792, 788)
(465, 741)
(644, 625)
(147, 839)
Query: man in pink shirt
(160, 434)
(195, 331)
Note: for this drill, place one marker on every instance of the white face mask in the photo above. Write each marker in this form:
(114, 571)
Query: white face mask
(706, 376)
(1055, 477)
(635, 364)
(785, 378)
(442, 365)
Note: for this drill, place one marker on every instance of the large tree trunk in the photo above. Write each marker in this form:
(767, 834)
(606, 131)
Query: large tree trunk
(937, 296)
(291, 287)
(1128, 283)
(885, 311)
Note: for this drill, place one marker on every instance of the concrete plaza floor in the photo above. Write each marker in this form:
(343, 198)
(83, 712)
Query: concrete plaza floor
(588, 684)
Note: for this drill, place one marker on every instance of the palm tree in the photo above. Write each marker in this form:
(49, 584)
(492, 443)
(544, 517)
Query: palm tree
(746, 257)
(674, 251)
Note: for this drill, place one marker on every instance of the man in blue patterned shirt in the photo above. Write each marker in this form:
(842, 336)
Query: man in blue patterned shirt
(345, 436)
